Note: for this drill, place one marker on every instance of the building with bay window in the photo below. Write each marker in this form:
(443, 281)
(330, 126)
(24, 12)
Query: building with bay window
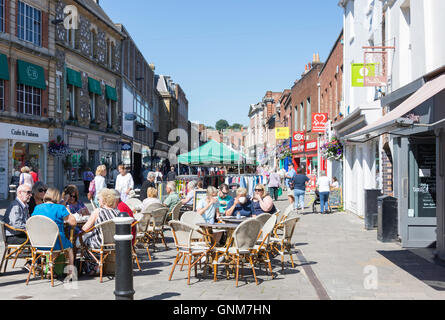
(27, 112)
(88, 83)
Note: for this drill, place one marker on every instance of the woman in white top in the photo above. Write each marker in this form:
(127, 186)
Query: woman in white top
(324, 187)
(99, 182)
(335, 183)
(26, 177)
(152, 198)
(124, 183)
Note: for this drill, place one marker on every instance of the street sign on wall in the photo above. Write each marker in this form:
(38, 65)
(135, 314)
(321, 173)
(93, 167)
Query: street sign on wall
(282, 133)
(299, 148)
(319, 121)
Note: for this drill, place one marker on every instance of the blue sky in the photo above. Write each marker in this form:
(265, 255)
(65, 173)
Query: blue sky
(227, 54)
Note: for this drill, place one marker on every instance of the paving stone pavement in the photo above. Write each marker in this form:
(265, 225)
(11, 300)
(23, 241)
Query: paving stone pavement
(337, 258)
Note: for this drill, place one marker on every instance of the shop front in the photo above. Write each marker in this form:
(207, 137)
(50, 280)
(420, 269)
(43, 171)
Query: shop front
(28, 146)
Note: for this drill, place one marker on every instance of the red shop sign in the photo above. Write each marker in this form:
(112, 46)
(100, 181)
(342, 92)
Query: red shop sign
(298, 137)
(311, 146)
(299, 148)
(319, 121)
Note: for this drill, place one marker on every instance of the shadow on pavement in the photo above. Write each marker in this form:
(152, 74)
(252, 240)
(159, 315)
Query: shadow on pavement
(163, 296)
(432, 274)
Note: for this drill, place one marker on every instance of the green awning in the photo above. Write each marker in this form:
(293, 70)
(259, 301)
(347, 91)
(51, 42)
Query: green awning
(73, 77)
(94, 86)
(4, 68)
(30, 74)
(111, 93)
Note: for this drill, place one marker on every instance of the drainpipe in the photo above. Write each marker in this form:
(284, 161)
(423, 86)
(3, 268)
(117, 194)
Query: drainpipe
(319, 135)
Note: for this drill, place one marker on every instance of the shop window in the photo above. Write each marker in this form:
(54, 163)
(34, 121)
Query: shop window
(29, 154)
(29, 100)
(77, 164)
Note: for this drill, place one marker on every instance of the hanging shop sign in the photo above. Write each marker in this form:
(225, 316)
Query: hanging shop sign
(282, 133)
(359, 71)
(319, 122)
(298, 137)
(125, 146)
(311, 146)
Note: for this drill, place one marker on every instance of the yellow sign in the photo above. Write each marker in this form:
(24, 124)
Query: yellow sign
(282, 133)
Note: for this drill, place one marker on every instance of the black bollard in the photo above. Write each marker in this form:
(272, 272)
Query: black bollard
(124, 262)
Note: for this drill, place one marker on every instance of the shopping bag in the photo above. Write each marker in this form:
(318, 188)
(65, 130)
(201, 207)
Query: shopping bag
(280, 192)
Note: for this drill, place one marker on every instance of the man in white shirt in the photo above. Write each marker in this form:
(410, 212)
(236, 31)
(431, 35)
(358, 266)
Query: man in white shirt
(324, 188)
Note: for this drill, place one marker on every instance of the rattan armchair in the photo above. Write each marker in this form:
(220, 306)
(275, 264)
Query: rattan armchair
(43, 234)
(284, 242)
(13, 251)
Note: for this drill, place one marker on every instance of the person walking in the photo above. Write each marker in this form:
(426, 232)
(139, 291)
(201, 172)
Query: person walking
(274, 184)
(26, 177)
(97, 184)
(298, 183)
(88, 176)
(289, 175)
(324, 188)
(171, 176)
(124, 183)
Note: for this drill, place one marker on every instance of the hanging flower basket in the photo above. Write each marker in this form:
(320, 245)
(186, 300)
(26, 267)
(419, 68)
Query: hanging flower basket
(58, 149)
(284, 152)
(332, 150)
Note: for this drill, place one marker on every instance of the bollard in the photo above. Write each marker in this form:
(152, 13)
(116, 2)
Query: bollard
(124, 262)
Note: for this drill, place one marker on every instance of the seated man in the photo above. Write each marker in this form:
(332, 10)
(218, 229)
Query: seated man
(241, 204)
(17, 214)
(173, 197)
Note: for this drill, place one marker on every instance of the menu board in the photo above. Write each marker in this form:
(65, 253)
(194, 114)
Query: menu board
(335, 198)
(199, 195)
(427, 180)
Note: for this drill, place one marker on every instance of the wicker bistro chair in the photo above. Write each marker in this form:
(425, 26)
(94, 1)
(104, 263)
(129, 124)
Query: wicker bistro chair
(13, 251)
(43, 234)
(282, 217)
(263, 218)
(155, 229)
(244, 239)
(182, 233)
(284, 243)
(134, 204)
(176, 211)
(107, 231)
(262, 248)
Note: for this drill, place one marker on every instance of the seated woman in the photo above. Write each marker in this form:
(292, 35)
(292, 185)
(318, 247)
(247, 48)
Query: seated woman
(241, 204)
(38, 193)
(188, 200)
(59, 214)
(71, 201)
(262, 201)
(208, 208)
(106, 211)
(152, 197)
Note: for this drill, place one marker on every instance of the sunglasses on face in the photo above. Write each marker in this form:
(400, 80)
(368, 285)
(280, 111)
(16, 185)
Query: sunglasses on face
(258, 190)
(42, 190)
(73, 196)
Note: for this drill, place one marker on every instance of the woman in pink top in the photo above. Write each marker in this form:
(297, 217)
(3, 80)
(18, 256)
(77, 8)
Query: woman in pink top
(262, 201)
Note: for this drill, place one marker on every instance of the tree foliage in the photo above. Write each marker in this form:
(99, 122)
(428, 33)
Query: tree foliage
(222, 125)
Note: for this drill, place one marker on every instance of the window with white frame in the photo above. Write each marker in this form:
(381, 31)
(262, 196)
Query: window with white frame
(29, 100)
(309, 115)
(72, 101)
(110, 114)
(92, 107)
(58, 93)
(2, 94)
(2, 15)
(29, 24)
